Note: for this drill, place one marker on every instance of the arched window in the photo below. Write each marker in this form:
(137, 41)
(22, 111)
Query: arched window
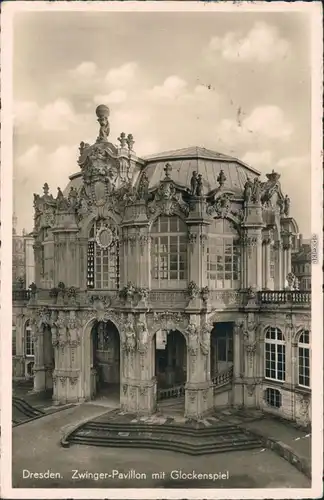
(275, 355)
(103, 256)
(304, 359)
(29, 343)
(223, 255)
(169, 252)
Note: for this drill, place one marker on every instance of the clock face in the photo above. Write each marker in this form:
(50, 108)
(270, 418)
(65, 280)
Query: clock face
(104, 237)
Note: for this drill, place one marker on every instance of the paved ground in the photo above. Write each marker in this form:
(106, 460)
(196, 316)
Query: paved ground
(36, 449)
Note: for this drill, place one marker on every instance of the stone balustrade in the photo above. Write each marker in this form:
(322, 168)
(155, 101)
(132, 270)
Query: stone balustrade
(223, 378)
(284, 297)
(20, 295)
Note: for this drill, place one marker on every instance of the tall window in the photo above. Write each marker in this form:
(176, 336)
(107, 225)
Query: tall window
(14, 341)
(169, 251)
(223, 255)
(103, 256)
(29, 344)
(304, 359)
(275, 355)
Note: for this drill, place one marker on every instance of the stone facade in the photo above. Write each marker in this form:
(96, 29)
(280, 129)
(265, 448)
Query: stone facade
(191, 272)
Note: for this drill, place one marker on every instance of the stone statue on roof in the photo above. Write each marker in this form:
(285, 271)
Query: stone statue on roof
(103, 113)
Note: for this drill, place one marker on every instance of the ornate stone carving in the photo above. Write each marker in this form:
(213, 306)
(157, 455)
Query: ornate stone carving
(143, 336)
(168, 199)
(129, 344)
(203, 240)
(205, 338)
(221, 205)
(193, 290)
(256, 191)
(192, 238)
(193, 338)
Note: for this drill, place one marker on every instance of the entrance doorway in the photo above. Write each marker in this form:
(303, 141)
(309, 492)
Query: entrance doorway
(105, 361)
(170, 360)
(221, 351)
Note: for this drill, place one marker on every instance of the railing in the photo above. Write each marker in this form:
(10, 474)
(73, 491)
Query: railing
(284, 296)
(223, 378)
(20, 295)
(171, 392)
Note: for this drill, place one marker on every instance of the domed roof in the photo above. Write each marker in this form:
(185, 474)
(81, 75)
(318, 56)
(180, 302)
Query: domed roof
(205, 162)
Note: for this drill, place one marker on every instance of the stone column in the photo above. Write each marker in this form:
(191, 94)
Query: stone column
(253, 244)
(198, 391)
(250, 361)
(147, 387)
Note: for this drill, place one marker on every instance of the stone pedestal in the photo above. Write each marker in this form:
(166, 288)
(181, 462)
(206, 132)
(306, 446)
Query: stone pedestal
(199, 399)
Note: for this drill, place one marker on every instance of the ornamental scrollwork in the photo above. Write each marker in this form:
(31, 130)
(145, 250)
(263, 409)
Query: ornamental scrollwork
(193, 290)
(129, 344)
(193, 338)
(221, 205)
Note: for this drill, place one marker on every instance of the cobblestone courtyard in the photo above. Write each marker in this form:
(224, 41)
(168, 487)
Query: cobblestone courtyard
(36, 449)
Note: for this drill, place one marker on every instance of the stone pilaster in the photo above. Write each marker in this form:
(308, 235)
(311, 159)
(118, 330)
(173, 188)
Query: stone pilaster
(39, 367)
(250, 356)
(198, 390)
(252, 243)
(198, 242)
(286, 256)
(238, 354)
(278, 254)
(267, 280)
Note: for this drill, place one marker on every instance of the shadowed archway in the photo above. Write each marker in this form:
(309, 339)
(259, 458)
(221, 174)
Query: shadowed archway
(105, 360)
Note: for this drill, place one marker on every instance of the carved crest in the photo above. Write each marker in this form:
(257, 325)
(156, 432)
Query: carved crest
(221, 206)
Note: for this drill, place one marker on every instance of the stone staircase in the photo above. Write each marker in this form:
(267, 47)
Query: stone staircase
(191, 438)
(22, 411)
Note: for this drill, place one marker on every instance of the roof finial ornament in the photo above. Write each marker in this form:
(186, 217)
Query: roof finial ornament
(167, 169)
(122, 140)
(130, 142)
(103, 113)
(46, 189)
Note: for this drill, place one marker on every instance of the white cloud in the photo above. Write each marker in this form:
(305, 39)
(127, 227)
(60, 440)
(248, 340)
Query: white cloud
(264, 122)
(114, 97)
(122, 76)
(172, 88)
(24, 112)
(54, 116)
(86, 69)
(262, 44)
(257, 159)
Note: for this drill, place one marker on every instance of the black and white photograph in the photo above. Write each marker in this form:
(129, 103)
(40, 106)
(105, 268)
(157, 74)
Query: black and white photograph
(161, 254)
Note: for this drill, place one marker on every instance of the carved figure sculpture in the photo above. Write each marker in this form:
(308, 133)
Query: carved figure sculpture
(286, 206)
(248, 190)
(193, 183)
(221, 179)
(143, 187)
(199, 191)
(102, 113)
(256, 193)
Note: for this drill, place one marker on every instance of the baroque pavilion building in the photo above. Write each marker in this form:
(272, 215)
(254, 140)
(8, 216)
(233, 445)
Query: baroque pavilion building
(168, 277)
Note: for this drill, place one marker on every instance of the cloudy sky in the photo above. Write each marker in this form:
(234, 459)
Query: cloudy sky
(238, 83)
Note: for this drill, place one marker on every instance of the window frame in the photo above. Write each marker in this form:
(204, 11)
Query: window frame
(304, 347)
(14, 341)
(108, 276)
(271, 347)
(276, 393)
(28, 341)
(219, 261)
(162, 239)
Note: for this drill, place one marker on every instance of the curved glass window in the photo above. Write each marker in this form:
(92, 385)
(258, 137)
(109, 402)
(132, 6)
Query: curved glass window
(223, 255)
(169, 252)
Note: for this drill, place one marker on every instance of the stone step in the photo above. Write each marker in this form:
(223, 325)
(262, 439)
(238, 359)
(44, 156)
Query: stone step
(21, 410)
(168, 445)
(221, 429)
